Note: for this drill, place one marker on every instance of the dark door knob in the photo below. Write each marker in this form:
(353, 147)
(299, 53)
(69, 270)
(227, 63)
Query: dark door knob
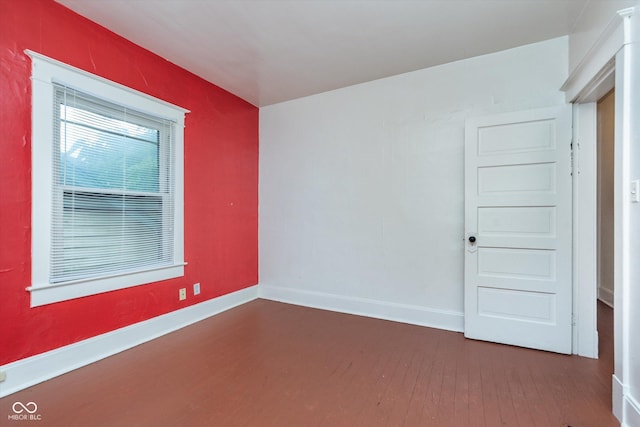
(472, 239)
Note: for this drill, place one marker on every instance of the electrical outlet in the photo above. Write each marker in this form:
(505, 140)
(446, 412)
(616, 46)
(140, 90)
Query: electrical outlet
(183, 294)
(196, 288)
(3, 376)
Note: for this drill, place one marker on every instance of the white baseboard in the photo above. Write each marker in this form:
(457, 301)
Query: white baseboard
(631, 412)
(606, 296)
(412, 314)
(625, 407)
(36, 369)
(617, 396)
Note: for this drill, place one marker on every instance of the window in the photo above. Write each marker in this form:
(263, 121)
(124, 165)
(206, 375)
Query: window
(107, 185)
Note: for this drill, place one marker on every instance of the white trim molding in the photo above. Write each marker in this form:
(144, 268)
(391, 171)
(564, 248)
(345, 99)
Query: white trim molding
(36, 369)
(617, 396)
(631, 411)
(625, 408)
(585, 334)
(140, 100)
(626, 379)
(597, 60)
(405, 313)
(605, 295)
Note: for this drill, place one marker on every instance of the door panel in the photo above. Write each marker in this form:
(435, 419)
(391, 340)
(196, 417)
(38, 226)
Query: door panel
(521, 221)
(520, 137)
(518, 210)
(516, 179)
(516, 305)
(517, 264)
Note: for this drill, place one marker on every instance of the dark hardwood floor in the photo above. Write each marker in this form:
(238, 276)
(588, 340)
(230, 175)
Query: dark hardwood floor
(272, 364)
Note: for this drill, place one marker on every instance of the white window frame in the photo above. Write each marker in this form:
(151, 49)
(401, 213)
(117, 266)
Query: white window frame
(45, 72)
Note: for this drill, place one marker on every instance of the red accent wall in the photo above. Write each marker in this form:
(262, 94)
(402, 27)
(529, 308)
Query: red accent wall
(221, 180)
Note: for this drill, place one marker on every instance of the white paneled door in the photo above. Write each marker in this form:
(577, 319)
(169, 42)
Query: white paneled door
(518, 229)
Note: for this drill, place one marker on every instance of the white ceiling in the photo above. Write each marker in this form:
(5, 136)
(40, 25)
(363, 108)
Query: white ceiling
(268, 51)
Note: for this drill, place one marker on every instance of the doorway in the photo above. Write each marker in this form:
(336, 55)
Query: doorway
(605, 197)
(605, 203)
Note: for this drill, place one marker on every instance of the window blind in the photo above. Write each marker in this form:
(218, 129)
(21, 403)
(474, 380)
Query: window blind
(113, 189)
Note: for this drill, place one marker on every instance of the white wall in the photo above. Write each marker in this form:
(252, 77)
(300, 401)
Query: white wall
(361, 188)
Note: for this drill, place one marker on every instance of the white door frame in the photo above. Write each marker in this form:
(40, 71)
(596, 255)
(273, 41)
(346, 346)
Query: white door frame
(592, 79)
(585, 226)
(585, 334)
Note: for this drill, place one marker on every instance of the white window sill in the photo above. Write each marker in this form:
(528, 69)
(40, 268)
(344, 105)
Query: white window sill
(42, 294)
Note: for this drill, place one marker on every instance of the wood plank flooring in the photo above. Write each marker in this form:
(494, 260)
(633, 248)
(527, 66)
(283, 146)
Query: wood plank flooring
(272, 364)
